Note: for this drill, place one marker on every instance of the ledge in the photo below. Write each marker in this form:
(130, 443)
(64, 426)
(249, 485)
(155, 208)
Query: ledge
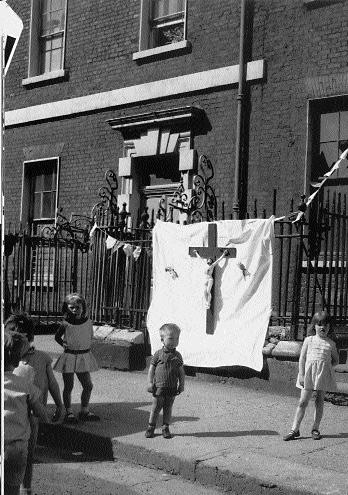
(47, 77)
(160, 50)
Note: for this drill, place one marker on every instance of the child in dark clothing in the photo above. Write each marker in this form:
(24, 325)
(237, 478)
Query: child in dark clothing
(20, 397)
(166, 378)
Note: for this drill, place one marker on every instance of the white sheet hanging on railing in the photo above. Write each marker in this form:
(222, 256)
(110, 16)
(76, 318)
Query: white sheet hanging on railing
(242, 292)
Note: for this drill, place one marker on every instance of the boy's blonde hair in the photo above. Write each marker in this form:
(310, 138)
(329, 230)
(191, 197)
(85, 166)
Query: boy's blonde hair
(169, 328)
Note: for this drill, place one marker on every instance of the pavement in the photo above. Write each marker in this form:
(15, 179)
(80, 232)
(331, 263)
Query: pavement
(224, 435)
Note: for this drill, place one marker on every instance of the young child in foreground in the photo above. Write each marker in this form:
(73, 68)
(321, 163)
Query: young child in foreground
(317, 359)
(20, 397)
(75, 335)
(166, 379)
(35, 366)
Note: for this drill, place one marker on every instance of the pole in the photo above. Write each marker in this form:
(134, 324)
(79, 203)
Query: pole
(240, 98)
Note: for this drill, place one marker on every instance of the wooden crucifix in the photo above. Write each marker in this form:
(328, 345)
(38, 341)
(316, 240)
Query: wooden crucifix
(212, 254)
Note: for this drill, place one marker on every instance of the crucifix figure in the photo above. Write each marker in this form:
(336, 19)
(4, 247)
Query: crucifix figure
(213, 254)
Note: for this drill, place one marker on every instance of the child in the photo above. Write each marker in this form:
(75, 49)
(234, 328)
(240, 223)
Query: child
(75, 335)
(318, 356)
(20, 396)
(166, 379)
(35, 366)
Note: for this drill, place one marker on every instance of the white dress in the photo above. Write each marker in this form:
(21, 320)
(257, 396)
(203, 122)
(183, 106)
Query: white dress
(319, 373)
(77, 338)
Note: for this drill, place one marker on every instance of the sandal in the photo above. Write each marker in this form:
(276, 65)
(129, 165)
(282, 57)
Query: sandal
(88, 416)
(316, 435)
(70, 419)
(56, 416)
(291, 435)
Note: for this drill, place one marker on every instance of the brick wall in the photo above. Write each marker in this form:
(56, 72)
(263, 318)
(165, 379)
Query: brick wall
(306, 57)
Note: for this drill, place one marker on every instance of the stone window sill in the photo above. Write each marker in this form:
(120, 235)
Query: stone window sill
(160, 50)
(49, 76)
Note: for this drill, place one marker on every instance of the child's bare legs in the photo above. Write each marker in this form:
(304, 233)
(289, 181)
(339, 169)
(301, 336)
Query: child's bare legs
(157, 405)
(319, 408)
(68, 379)
(301, 408)
(87, 387)
(28, 476)
(167, 410)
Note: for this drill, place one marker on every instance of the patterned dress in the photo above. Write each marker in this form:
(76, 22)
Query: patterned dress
(77, 356)
(319, 373)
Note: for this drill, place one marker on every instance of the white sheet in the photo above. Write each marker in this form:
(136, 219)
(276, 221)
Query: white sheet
(242, 302)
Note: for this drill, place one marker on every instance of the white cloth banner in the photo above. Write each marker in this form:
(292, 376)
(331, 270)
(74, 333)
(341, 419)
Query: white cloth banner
(242, 292)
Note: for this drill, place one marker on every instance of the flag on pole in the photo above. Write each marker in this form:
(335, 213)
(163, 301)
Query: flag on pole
(11, 27)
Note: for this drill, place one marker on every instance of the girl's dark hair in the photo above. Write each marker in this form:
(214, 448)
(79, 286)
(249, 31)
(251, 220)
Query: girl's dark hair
(14, 344)
(74, 297)
(320, 318)
(21, 323)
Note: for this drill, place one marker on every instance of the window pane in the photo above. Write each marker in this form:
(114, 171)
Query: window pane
(344, 125)
(45, 24)
(37, 205)
(162, 8)
(329, 154)
(47, 180)
(47, 205)
(46, 5)
(329, 126)
(57, 42)
(37, 183)
(57, 4)
(56, 57)
(56, 18)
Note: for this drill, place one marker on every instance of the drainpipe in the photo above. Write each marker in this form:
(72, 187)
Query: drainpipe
(240, 98)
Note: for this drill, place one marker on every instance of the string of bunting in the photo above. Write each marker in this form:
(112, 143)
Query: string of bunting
(319, 185)
(114, 244)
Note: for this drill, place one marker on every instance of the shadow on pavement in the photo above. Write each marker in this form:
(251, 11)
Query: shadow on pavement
(230, 434)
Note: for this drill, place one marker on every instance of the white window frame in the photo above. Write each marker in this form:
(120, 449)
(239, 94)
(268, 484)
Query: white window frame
(25, 199)
(145, 50)
(34, 75)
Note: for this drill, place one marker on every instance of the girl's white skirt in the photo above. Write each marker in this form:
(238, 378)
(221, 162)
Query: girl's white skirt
(76, 363)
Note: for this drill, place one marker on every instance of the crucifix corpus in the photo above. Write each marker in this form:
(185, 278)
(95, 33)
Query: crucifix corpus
(212, 254)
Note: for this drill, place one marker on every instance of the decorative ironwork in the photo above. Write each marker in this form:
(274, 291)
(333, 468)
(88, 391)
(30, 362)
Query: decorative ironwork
(202, 206)
(108, 204)
(76, 229)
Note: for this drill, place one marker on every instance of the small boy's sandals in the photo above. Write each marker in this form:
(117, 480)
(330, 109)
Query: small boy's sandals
(56, 416)
(70, 419)
(88, 416)
(291, 435)
(316, 435)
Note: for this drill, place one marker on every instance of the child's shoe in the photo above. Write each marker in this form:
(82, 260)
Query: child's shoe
(150, 431)
(291, 435)
(70, 419)
(165, 432)
(88, 416)
(316, 435)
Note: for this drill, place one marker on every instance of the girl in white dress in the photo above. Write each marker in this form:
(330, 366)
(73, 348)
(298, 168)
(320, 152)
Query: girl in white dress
(75, 335)
(318, 357)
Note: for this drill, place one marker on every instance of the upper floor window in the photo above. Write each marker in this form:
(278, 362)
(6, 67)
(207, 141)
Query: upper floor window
(163, 27)
(52, 35)
(167, 22)
(47, 40)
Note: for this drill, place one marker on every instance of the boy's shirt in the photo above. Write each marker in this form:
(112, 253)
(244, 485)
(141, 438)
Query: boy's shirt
(33, 367)
(19, 395)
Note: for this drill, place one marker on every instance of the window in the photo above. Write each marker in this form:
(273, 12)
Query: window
(52, 35)
(47, 40)
(40, 194)
(330, 136)
(162, 27)
(167, 23)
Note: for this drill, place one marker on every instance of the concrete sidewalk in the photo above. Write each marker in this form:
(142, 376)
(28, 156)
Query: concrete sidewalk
(223, 435)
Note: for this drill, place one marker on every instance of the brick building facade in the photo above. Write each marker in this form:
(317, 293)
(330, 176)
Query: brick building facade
(144, 88)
